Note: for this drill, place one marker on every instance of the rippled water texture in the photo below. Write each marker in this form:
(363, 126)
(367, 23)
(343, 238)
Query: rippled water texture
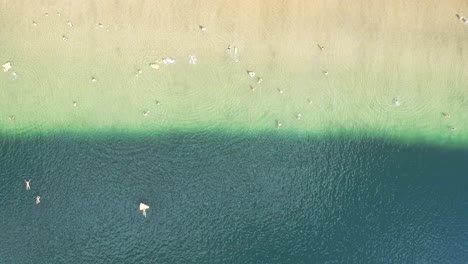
(99, 128)
(230, 199)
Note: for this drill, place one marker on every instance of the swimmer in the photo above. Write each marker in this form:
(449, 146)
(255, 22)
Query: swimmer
(325, 72)
(143, 208)
(75, 104)
(452, 128)
(145, 113)
(28, 186)
(280, 91)
(69, 23)
(259, 80)
(93, 79)
(231, 51)
(34, 23)
(202, 28)
(158, 103)
(100, 25)
(462, 19)
(299, 116)
(279, 124)
(252, 88)
(251, 73)
(193, 59)
(446, 115)
(64, 38)
(38, 199)
(320, 47)
(12, 118)
(396, 102)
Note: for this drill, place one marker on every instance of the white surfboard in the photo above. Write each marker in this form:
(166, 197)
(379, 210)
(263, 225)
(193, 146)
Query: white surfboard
(143, 207)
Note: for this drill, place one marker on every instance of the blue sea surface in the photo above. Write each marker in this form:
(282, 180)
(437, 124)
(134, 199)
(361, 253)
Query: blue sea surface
(216, 198)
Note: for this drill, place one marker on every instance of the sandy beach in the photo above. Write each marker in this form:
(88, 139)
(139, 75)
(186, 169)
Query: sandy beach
(392, 68)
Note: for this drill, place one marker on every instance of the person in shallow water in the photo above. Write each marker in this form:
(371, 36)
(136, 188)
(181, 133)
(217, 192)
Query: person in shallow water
(38, 199)
(28, 187)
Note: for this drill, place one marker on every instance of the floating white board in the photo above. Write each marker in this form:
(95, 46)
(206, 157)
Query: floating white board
(143, 207)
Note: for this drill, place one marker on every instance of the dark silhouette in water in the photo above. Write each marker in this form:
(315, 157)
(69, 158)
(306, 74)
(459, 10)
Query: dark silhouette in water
(461, 18)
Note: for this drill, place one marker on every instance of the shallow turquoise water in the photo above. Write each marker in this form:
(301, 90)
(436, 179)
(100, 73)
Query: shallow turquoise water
(231, 199)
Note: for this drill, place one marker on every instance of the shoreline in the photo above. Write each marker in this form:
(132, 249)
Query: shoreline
(369, 62)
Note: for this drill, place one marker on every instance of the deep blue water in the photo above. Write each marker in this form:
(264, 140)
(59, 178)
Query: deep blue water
(231, 199)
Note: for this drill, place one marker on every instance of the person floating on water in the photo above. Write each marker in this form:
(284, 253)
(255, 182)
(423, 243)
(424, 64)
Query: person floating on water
(38, 199)
(462, 19)
(28, 187)
(143, 208)
(279, 124)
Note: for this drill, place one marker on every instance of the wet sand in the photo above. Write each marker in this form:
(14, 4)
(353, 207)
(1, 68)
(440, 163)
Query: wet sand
(373, 54)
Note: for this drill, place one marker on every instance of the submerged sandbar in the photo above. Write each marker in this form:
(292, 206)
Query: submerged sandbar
(385, 68)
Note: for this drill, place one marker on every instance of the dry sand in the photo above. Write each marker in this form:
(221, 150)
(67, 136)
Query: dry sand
(374, 52)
